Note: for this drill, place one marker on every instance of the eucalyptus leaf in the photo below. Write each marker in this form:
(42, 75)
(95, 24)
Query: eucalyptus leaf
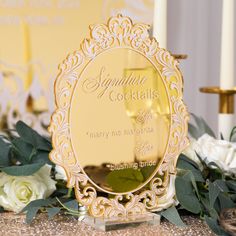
(206, 203)
(192, 176)
(32, 137)
(39, 203)
(194, 131)
(197, 176)
(186, 195)
(198, 121)
(31, 213)
(61, 191)
(207, 129)
(1, 209)
(221, 184)
(232, 185)
(4, 153)
(221, 136)
(233, 197)
(124, 180)
(172, 215)
(24, 151)
(213, 224)
(189, 176)
(203, 126)
(215, 173)
(25, 170)
(186, 163)
(42, 157)
(217, 206)
(52, 212)
(225, 201)
(73, 205)
(213, 213)
(214, 192)
(205, 200)
(232, 135)
(202, 161)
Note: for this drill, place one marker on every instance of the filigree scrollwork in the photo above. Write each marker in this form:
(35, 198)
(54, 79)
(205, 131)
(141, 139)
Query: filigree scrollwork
(118, 32)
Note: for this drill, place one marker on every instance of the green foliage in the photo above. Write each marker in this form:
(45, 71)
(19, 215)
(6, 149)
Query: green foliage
(232, 137)
(25, 153)
(147, 171)
(186, 195)
(33, 207)
(201, 127)
(30, 136)
(213, 224)
(57, 203)
(204, 192)
(52, 206)
(128, 179)
(4, 153)
(124, 180)
(172, 215)
(53, 212)
(31, 213)
(24, 170)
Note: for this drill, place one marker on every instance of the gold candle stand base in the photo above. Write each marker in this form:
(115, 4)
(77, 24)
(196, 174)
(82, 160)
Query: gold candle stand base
(226, 98)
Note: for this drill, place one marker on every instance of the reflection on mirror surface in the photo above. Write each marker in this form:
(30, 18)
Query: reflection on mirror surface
(120, 120)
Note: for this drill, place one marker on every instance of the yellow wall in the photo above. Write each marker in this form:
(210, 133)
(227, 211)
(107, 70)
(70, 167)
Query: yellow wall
(43, 32)
(53, 31)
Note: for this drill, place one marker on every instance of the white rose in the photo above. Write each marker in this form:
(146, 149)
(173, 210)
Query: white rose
(191, 152)
(60, 173)
(168, 199)
(17, 191)
(221, 152)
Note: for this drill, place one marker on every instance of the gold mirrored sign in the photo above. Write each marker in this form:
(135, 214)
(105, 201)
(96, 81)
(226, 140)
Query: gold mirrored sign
(120, 122)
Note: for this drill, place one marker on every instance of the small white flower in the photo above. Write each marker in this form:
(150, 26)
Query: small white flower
(168, 199)
(60, 173)
(17, 191)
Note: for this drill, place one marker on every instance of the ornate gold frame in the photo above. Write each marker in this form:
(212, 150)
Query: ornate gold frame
(118, 32)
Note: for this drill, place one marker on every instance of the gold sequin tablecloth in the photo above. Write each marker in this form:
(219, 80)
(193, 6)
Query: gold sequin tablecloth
(13, 225)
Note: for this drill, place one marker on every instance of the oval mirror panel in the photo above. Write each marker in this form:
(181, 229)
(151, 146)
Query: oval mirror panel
(119, 120)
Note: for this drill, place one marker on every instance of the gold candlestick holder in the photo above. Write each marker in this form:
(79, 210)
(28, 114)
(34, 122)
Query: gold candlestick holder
(226, 98)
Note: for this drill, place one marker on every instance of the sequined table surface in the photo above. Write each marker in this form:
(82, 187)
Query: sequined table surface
(14, 225)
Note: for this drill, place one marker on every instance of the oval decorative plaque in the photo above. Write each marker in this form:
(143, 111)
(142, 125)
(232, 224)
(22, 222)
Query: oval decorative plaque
(120, 122)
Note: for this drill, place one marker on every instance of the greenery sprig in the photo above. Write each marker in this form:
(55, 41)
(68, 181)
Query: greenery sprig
(202, 191)
(205, 191)
(22, 153)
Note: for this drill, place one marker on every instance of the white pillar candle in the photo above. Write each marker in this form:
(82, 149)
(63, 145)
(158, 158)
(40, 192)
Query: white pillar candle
(226, 123)
(227, 46)
(227, 62)
(160, 22)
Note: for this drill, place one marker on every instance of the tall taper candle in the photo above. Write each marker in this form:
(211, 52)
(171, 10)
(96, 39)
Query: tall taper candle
(160, 22)
(227, 62)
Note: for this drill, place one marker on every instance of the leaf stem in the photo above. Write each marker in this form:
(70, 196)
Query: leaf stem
(67, 208)
(69, 193)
